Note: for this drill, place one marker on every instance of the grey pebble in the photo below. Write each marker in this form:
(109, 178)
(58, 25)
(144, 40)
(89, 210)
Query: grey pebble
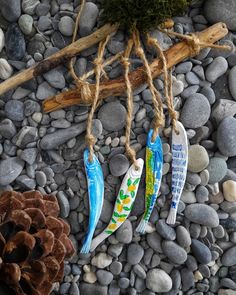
(11, 9)
(26, 135)
(61, 123)
(26, 182)
(184, 67)
(88, 19)
(123, 283)
(202, 194)
(119, 164)
(66, 25)
(187, 279)
(232, 82)
(7, 128)
(116, 267)
(44, 23)
(217, 169)
(104, 277)
(192, 78)
(10, 169)
(174, 252)
(134, 253)
(158, 281)
(29, 155)
(201, 252)
(216, 69)
(209, 93)
(26, 23)
(55, 78)
(97, 128)
(202, 214)
(229, 257)
(74, 289)
(139, 271)
(223, 108)
(165, 231)
(14, 110)
(41, 178)
(125, 232)
(29, 6)
(226, 141)
(64, 204)
(183, 237)
(44, 91)
(42, 9)
(154, 241)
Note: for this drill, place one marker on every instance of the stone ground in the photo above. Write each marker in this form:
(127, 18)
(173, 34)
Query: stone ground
(44, 152)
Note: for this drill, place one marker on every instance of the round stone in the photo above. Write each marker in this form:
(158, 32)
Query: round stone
(226, 141)
(198, 158)
(192, 115)
(201, 252)
(119, 165)
(229, 257)
(66, 26)
(10, 169)
(174, 252)
(202, 194)
(14, 110)
(229, 190)
(221, 11)
(158, 281)
(104, 277)
(216, 69)
(11, 9)
(202, 214)
(125, 232)
(26, 23)
(183, 237)
(217, 169)
(113, 116)
(15, 43)
(134, 254)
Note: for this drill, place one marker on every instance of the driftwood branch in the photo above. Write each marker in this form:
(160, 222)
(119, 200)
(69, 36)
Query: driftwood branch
(117, 87)
(58, 58)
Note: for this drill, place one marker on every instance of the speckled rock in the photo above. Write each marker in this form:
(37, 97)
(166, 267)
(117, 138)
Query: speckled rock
(10, 169)
(198, 158)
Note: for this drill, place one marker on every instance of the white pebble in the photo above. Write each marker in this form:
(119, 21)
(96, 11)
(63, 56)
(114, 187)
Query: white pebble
(5, 69)
(37, 117)
(229, 190)
(2, 40)
(90, 277)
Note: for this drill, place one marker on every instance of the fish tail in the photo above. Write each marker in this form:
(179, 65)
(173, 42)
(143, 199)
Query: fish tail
(141, 228)
(171, 219)
(87, 244)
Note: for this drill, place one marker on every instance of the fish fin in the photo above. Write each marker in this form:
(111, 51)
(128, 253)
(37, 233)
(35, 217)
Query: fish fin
(98, 240)
(86, 245)
(172, 216)
(141, 228)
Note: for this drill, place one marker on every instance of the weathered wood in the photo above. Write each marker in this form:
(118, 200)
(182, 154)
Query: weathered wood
(58, 58)
(174, 55)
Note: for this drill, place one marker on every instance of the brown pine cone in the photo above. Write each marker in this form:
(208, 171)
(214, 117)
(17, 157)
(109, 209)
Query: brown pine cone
(33, 243)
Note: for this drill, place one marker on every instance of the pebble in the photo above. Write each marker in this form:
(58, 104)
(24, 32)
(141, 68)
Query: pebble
(154, 241)
(91, 289)
(188, 197)
(29, 155)
(125, 232)
(11, 10)
(74, 289)
(119, 164)
(104, 277)
(177, 86)
(62, 200)
(192, 115)
(123, 283)
(229, 190)
(198, 158)
(174, 252)
(209, 93)
(165, 231)
(44, 91)
(2, 40)
(218, 11)
(216, 69)
(53, 140)
(183, 237)
(158, 281)
(14, 110)
(15, 43)
(229, 257)
(116, 267)
(217, 169)
(202, 194)
(7, 128)
(187, 279)
(232, 82)
(201, 252)
(88, 19)
(202, 214)
(113, 116)
(101, 260)
(134, 254)
(223, 108)
(29, 6)
(226, 141)
(6, 69)
(26, 24)
(10, 169)
(184, 67)
(192, 79)
(41, 178)
(66, 26)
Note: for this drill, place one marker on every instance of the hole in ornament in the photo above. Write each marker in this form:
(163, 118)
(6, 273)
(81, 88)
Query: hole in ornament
(17, 255)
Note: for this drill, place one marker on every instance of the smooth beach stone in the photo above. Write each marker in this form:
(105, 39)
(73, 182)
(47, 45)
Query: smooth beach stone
(165, 231)
(183, 236)
(192, 115)
(119, 164)
(223, 108)
(66, 26)
(229, 257)
(174, 252)
(125, 232)
(26, 23)
(226, 141)
(201, 252)
(217, 169)
(198, 158)
(14, 110)
(88, 19)
(232, 82)
(134, 254)
(11, 10)
(229, 190)
(15, 43)
(216, 69)
(202, 214)
(158, 280)
(10, 169)
(6, 69)
(29, 6)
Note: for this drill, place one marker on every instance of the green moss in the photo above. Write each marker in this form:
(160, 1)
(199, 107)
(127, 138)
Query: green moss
(142, 14)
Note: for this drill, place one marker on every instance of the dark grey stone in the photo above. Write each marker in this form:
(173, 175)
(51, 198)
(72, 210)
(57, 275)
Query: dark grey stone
(15, 43)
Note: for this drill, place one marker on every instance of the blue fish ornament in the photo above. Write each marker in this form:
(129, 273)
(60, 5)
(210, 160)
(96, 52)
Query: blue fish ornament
(96, 196)
(179, 168)
(154, 164)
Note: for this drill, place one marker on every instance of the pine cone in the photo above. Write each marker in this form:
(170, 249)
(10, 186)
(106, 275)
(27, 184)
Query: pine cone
(33, 243)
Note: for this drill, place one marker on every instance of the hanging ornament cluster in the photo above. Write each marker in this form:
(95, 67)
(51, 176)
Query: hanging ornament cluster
(131, 16)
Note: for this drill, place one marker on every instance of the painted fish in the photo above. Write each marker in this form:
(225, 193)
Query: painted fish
(96, 196)
(154, 164)
(124, 202)
(179, 169)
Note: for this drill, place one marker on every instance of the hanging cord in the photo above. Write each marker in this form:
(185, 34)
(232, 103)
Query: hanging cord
(156, 97)
(98, 70)
(125, 61)
(194, 43)
(167, 81)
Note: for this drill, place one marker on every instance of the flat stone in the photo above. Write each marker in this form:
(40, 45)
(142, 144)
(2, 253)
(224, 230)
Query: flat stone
(158, 280)
(10, 169)
(229, 257)
(44, 91)
(29, 6)
(223, 108)
(6, 69)
(104, 277)
(66, 26)
(221, 11)
(101, 260)
(183, 237)
(134, 254)
(125, 232)
(187, 279)
(202, 214)
(164, 230)
(226, 141)
(217, 169)
(55, 78)
(88, 19)
(15, 43)
(216, 69)
(154, 241)
(113, 116)
(14, 110)
(201, 252)
(53, 140)
(7, 128)
(174, 252)
(119, 164)
(192, 115)
(11, 10)
(198, 158)
(26, 135)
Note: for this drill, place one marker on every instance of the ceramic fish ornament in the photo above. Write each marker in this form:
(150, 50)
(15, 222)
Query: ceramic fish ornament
(154, 164)
(96, 196)
(179, 168)
(124, 202)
